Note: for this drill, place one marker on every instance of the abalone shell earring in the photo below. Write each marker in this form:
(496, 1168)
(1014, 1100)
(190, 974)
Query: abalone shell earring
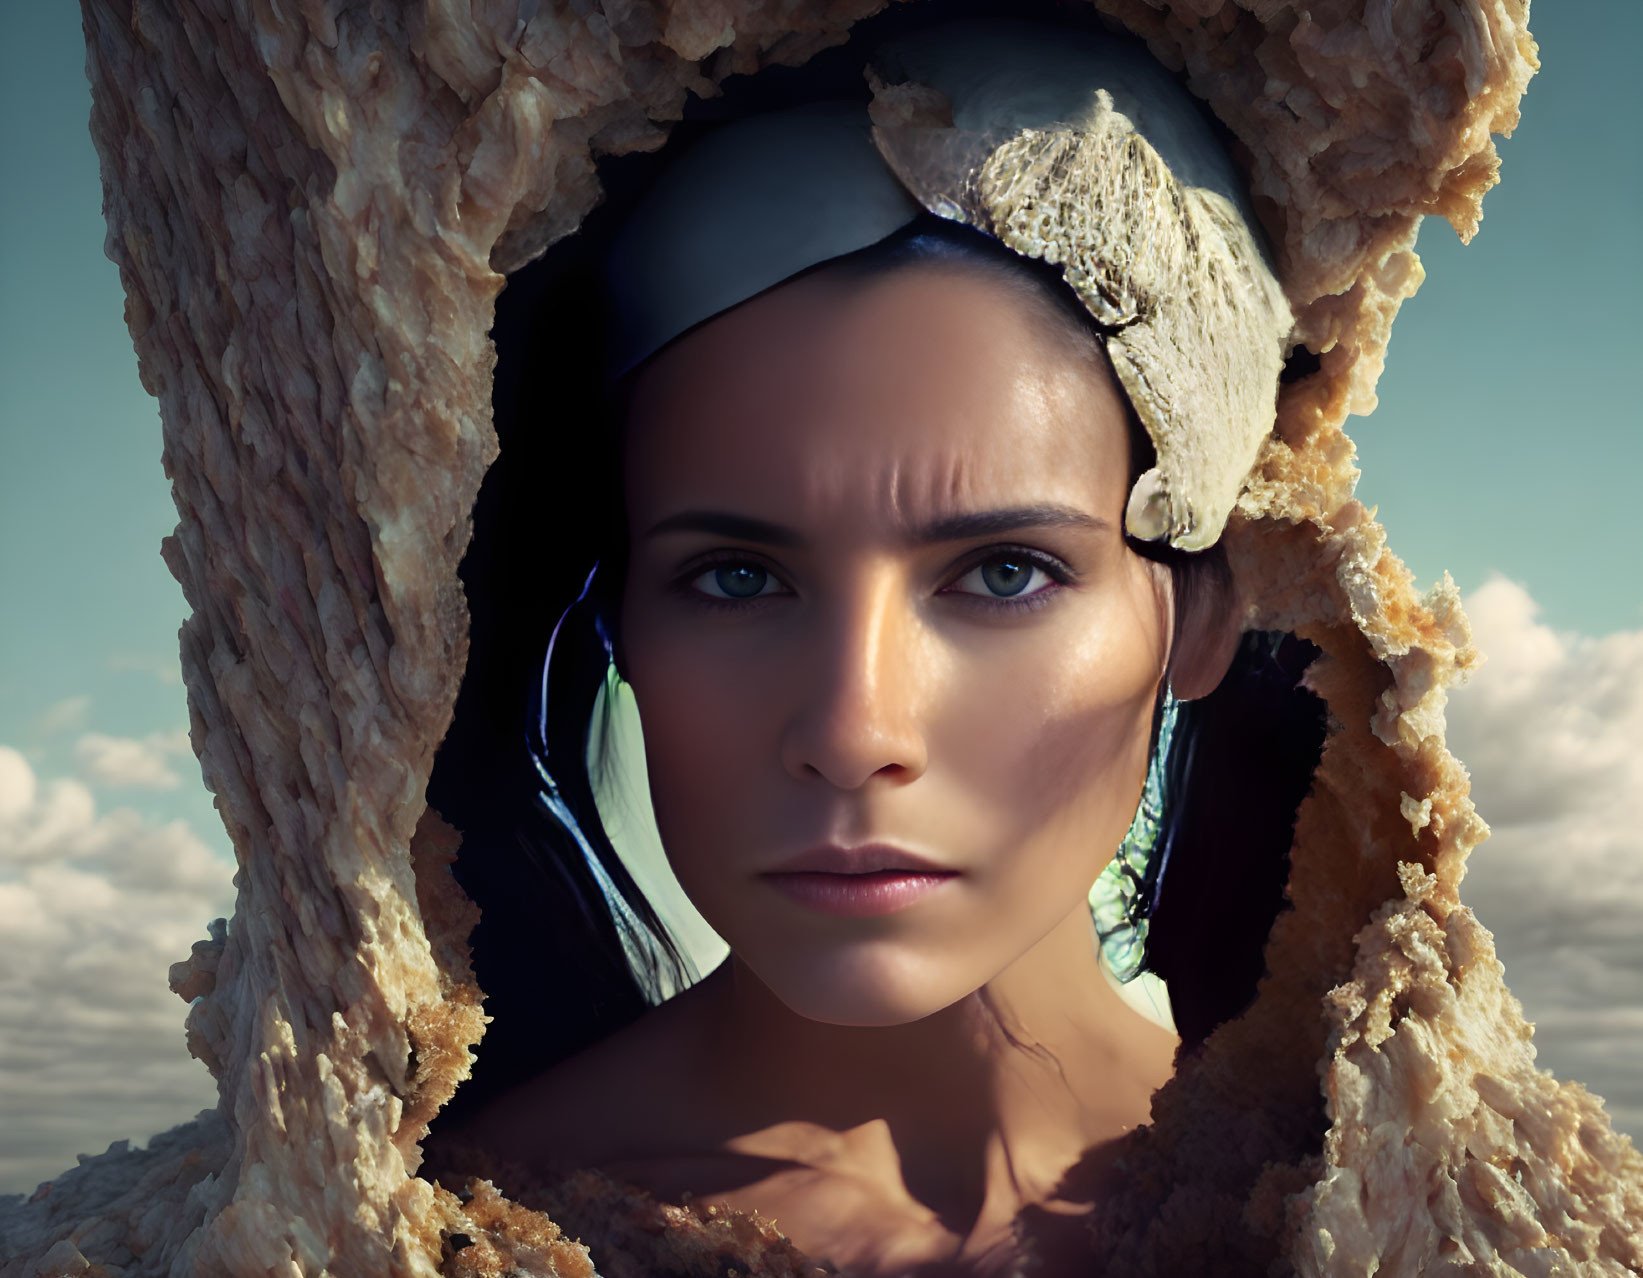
(1126, 893)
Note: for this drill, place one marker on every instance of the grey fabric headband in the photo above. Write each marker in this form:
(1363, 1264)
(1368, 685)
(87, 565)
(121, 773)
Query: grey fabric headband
(750, 205)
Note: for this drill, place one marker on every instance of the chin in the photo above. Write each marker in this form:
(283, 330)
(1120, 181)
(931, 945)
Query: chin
(872, 985)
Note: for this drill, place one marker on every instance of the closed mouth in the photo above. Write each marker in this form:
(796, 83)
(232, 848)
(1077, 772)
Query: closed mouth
(863, 859)
(860, 882)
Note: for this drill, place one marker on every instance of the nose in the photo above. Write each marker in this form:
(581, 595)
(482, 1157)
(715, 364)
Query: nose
(857, 713)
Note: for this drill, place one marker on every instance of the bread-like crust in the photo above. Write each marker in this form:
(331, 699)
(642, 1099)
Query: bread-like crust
(313, 205)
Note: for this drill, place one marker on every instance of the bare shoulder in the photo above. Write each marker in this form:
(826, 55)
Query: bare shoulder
(625, 1099)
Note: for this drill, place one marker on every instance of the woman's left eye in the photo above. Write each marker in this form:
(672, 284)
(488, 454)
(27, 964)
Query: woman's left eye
(1004, 577)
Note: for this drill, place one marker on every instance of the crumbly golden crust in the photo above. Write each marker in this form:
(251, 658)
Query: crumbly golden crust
(311, 205)
(634, 1235)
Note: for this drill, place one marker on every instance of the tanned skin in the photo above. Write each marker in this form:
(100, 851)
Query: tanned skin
(826, 487)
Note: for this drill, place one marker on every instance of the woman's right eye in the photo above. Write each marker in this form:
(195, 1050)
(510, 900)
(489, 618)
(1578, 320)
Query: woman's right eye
(736, 581)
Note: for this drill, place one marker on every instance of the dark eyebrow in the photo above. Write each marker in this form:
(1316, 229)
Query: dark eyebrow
(723, 524)
(981, 523)
(987, 523)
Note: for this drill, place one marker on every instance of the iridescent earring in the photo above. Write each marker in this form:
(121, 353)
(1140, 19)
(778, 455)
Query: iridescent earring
(1124, 896)
(549, 795)
(536, 736)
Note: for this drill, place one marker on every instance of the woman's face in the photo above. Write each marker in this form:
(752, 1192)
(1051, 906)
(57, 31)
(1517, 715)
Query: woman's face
(894, 662)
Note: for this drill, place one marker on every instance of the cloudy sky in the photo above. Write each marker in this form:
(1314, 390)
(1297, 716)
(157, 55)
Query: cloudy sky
(1506, 449)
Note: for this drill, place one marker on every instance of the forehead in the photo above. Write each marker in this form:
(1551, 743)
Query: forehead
(925, 391)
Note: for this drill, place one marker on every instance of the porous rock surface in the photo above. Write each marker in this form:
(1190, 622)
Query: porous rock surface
(312, 205)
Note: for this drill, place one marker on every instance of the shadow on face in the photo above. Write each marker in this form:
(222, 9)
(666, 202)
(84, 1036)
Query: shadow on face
(952, 682)
(878, 593)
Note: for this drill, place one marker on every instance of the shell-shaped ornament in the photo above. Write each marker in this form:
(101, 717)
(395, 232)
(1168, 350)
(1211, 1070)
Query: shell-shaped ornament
(1195, 321)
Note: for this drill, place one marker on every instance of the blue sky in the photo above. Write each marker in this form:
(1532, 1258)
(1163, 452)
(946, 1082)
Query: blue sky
(1507, 442)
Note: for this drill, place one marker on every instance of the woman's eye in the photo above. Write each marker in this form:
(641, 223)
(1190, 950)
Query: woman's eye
(1004, 577)
(736, 581)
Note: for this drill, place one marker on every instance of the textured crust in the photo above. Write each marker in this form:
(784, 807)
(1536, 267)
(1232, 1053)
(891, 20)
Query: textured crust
(635, 1235)
(311, 208)
(1451, 1153)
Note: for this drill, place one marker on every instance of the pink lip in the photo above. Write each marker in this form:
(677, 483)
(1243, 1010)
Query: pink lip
(867, 858)
(859, 882)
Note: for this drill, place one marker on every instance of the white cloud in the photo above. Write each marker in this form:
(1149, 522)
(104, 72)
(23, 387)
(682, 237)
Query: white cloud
(138, 762)
(94, 908)
(64, 715)
(1551, 729)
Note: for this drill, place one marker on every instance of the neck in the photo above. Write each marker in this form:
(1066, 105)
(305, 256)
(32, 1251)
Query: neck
(985, 1103)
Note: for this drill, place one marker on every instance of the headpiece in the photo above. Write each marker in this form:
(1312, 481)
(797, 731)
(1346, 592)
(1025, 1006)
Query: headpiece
(1072, 147)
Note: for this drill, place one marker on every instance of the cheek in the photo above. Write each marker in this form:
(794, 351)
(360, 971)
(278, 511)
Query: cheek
(1047, 745)
(708, 741)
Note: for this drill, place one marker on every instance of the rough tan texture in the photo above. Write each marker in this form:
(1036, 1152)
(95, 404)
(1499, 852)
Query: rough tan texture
(310, 203)
(1451, 1153)
(636, 1237)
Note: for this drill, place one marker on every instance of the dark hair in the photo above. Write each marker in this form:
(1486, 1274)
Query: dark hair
(555, 897)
